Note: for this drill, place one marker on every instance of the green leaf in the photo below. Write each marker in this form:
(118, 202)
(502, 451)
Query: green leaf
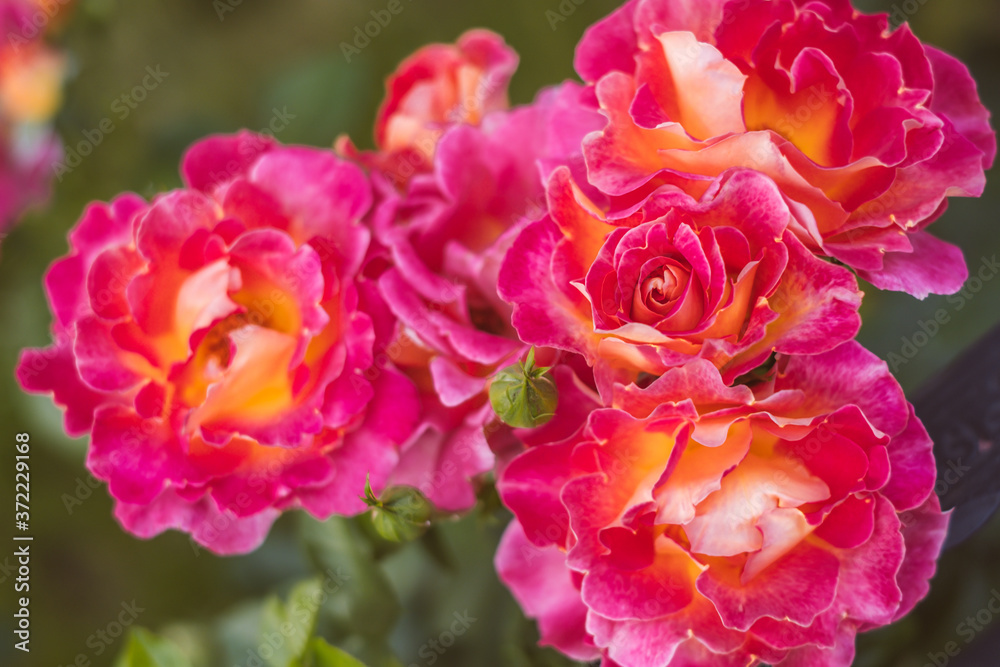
(144, 649)
(288, 627)
(324, 655)
(529, 361)
(340, 550)
(370, 498)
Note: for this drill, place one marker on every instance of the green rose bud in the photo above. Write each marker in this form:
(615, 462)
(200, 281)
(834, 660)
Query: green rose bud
(402, 513)
(523, 395)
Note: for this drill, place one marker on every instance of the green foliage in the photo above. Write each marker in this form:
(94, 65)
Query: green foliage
(366, 603)
(288, 627)
(285, 636)
(144, 649)
(321, 654)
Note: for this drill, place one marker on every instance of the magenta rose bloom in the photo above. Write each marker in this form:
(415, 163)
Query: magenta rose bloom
(692, 523)
(438, 87)
(870, 130)
(214, 344)
(697, 269)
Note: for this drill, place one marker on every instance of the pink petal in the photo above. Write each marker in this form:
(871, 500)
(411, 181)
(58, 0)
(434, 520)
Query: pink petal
(868, 587)
(913, 470)
(220, 532)
(956, 98)
(933, 267)
(217, 160)
(137, 457)
(849, 375)
(608, 45)
(452, 385)
(810, 572)
(543, 314)
(541, 583)
(52, 370)
(442, 461)
(924, 530)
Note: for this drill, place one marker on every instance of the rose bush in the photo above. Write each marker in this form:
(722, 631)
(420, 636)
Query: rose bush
(216, 344)
(719, 474)
(697, 523)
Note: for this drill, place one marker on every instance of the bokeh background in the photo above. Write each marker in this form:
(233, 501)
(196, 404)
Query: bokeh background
(232, 64)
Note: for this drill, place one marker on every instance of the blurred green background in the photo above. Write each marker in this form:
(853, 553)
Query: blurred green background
(233, 64)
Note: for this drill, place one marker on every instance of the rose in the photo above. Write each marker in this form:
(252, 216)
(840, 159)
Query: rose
(215, 345)
(439, 86)
(673, 278)
(443, 85)
(695, 523)
(31, 73)
(869, 129)
(31, 76)
(440, 246)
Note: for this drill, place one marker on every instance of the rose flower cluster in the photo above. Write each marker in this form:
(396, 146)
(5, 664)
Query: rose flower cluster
(704, 467)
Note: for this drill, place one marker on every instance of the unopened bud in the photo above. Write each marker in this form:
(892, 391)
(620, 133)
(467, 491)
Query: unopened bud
(402, 513)
(524, 395)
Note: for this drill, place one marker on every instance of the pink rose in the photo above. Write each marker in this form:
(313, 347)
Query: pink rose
(438, 87)
(693, 523)
(31, 77)
(867, 129)
(699, 268)
(214, 344)
(440, 246)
